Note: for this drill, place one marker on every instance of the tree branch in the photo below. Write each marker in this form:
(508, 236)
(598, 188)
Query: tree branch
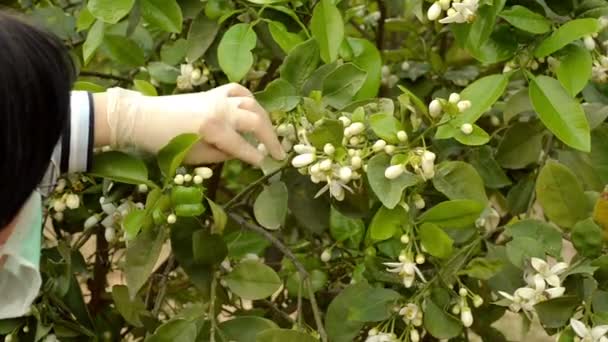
(163, 285)
(381, 20)
(104, 76)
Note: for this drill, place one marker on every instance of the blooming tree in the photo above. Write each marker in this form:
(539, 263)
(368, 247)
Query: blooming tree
(447, 164)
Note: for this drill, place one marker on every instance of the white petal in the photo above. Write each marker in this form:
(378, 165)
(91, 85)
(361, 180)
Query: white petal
(419, 274)
(556, 292)
(559, 268)
(599, 331)
(553, 280)
(525, 293)
(538, 264)
(408, 281)
(579, 328)
(506, 295)
(539, 283)
(603, 339)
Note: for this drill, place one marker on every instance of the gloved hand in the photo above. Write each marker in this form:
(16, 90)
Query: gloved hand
(218, 115)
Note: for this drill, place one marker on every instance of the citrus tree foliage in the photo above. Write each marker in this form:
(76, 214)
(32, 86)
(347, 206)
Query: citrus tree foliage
(440, 155)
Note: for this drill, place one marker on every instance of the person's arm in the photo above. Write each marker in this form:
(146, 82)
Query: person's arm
(125, 118)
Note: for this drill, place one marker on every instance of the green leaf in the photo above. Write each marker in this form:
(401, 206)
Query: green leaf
(330, 131)
(234, 51)
(163, 72)
(133, 223)
(341, 85)
(93, 41)
(120, 167)
(328, 29)
(587, 238)
(85, 20)
(516, 104)
(566, 34)
(388, 191)
(561, 113)
(526, 20)
(345, 229)
(482, 93)
(253, 280)
(270, 208)
(599, 143)
(318, 281)
(574, 68)
(281, 335)
(374, 305)
(243, 328)
(367, 57)
(220, 219)
(386, 127)
(201, 35)
(435, 240)
(165, 14)
(110, 11)
(387, 222)
(128, 309)
(208, 249)
(145, 88)
(89, 86)
(521, 249)
(171, 156)
(491, 173)
(300, 63)
(174, 52)
(241, 243)
(459, 180)
(175, 330)
(286, 40)
(519, 196)
(439, 323)
(547, 235)
(520, 146)
(279, 95)
(453, 214)
(141, 256)
(476, 138)
(482, 268)
(561, 195)
(339, 327)
(310, 213)
(123, 50)
(556, 313)
(182, 246)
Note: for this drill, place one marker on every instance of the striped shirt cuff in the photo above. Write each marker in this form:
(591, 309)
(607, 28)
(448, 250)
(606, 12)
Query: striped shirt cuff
(77, 140)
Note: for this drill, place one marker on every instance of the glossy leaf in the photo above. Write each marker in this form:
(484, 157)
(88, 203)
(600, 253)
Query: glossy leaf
(141, 256)
(201, 35)
(435, 240)
(253, 280)
(280, 335)
(574, 69)
(123, 50)
(120, 167)
(234, 51)
(565, 34)
(279, 95)
(165, 14)
(270, 208)
(171, 156)
(110, 11)
(524, 19)
(328, 29)
(387, 222)
(459, 180)
(93, 41)
(341, 85)
(453, 214)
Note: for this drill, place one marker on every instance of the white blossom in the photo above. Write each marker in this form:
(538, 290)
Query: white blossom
(549, 274)
(406, 268)
(204, 172)
(378, 145)
(410, 312)
(303, 160)
(595, 334)
(466, 316)
(402, 136)
(329, 149)
(381, 337)
(463, 105)
(461, 12)
(304, 149)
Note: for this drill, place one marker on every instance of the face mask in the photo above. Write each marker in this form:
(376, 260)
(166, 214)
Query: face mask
(20, 276)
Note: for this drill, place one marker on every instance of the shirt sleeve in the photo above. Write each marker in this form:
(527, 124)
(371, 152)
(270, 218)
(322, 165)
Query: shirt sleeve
(74, 150)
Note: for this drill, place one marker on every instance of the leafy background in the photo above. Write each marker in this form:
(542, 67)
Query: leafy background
(253, 254)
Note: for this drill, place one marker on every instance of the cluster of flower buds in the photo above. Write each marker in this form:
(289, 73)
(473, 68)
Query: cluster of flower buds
(287, 134)
(599, 72)
(456, 11)
(422, 161)
(453, 105)
(191, 77)
(388, 78)
(412, 316)
(463, 309)
(373, 335)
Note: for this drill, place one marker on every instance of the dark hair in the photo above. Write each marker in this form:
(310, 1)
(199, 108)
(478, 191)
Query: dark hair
(36, 76)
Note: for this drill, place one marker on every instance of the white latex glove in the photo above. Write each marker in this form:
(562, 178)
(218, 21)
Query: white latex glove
(218, 115)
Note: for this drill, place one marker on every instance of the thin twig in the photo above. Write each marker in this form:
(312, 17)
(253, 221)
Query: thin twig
(364, 33)
(381, 20)
(212, 309)
(249, 188)
(163, 286)
(104, 75)
(274, 308)
(315, 311)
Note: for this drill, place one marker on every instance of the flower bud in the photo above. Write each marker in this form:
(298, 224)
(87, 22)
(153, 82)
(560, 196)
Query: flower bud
(91, 222)
(435, 108)
(419, 202)
(325, 165)
(434, 11)
(589, 43)
(197, 180)
(142, 188)
(303, 160)
(414, 335)
(463, 292)
(379, 145)
(372, 332)
(304, 149)
(477, 301)
(196, 74)
(326, 255)
(495, 121)
(466, 316)
(58, 216)
(389, 149)
(466, 128)
(420, 259)
(60, 186)
(179, 179)
(171, 219)
(72, 201)
(356, 128)
(345, 121)
(402, 136)
(356, 162)
(204, 172)
(456, 309)
(59, 205)
(187, 178)
(405, 239)
(463, 105)
(354, 141)
(329, 149)
(109, 234)
(405, 66)
(282, 130)
(454, 98)
(445, 4)
(345, 174)
(394, 171)
(386, 70)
